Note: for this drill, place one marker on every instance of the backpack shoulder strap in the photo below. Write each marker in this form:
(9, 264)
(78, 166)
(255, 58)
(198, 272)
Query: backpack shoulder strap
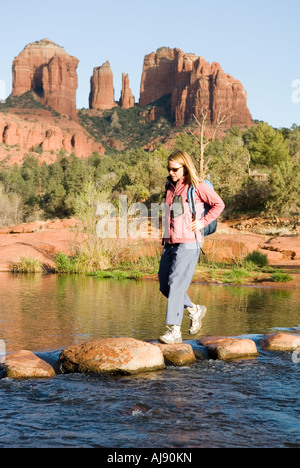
(191, 200)
(208, 182)
(166, 188)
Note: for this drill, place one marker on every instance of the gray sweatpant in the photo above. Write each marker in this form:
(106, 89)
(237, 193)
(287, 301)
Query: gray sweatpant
(177, 267)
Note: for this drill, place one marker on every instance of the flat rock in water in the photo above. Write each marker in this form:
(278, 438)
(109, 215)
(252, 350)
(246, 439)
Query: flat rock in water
(178, 354)
(112, 355)
(232, 348)
(26, 365)
(206, 340)
(281, 342)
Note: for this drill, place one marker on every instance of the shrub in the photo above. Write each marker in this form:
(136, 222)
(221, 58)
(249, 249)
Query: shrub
(257, 258)
(64, 264)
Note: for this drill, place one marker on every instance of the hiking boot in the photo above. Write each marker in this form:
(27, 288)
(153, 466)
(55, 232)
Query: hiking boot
(173, 335)
(196, 314)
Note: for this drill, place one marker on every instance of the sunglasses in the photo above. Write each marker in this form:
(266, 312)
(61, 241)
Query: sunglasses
(173, 170)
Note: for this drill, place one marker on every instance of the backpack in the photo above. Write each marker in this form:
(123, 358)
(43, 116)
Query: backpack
(212, 227)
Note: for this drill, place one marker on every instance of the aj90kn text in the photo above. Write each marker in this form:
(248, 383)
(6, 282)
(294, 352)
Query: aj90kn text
(157, 458)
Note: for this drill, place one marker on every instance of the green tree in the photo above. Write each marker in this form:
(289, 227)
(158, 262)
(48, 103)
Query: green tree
(266, 146)
(11, 208)
(75, 175)
(54, 200)
(284, 183)
(188, 142)
(292, 139)
(252, 195)
(228, 163)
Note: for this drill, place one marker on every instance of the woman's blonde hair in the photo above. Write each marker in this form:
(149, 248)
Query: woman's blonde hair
(183, 158)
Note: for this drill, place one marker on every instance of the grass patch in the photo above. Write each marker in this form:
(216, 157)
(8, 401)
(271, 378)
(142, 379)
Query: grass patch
(254, 269)
(116, 274)
(71, 265)
(225, 273)
(27, 265)
(280, 277)
(146, 264)
(236, 275)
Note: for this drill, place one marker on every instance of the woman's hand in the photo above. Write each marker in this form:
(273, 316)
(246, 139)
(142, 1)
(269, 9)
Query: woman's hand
(195, 226)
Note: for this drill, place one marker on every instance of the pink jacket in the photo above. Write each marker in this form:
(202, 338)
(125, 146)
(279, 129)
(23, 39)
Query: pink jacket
(178, 214)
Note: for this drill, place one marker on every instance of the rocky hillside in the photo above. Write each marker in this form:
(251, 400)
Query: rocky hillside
(41, 115)
(26, 126)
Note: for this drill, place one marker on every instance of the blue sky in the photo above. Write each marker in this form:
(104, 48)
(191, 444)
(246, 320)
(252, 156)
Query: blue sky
(257, 42)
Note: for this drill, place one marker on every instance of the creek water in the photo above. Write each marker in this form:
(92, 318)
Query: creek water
(246, 403)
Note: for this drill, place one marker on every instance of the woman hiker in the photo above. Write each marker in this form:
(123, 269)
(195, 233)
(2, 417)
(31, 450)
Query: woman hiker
(183, 238)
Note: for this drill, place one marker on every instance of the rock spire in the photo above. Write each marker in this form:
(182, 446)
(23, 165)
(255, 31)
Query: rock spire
(127, 98)
(102, 88)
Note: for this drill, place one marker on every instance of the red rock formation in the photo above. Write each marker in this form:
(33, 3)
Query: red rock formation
(159, 75)
(193, 85)
(48, 70)
(59, 85)
(102, 88)
(127, 98)
(44, 135)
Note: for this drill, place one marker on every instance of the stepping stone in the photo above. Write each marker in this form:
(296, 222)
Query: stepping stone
(26, 365)
(229, 348)
(281, 342)
(178, 354)
(113, 355)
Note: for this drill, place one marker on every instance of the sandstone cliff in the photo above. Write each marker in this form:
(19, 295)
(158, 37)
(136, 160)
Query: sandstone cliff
(193, 85)
(47, 69)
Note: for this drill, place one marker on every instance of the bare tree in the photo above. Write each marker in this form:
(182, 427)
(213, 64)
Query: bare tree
(203, 141)
(11, 208)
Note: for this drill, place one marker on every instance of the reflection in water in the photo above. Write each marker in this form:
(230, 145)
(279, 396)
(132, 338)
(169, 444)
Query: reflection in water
(248, 403)
(51, 312)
